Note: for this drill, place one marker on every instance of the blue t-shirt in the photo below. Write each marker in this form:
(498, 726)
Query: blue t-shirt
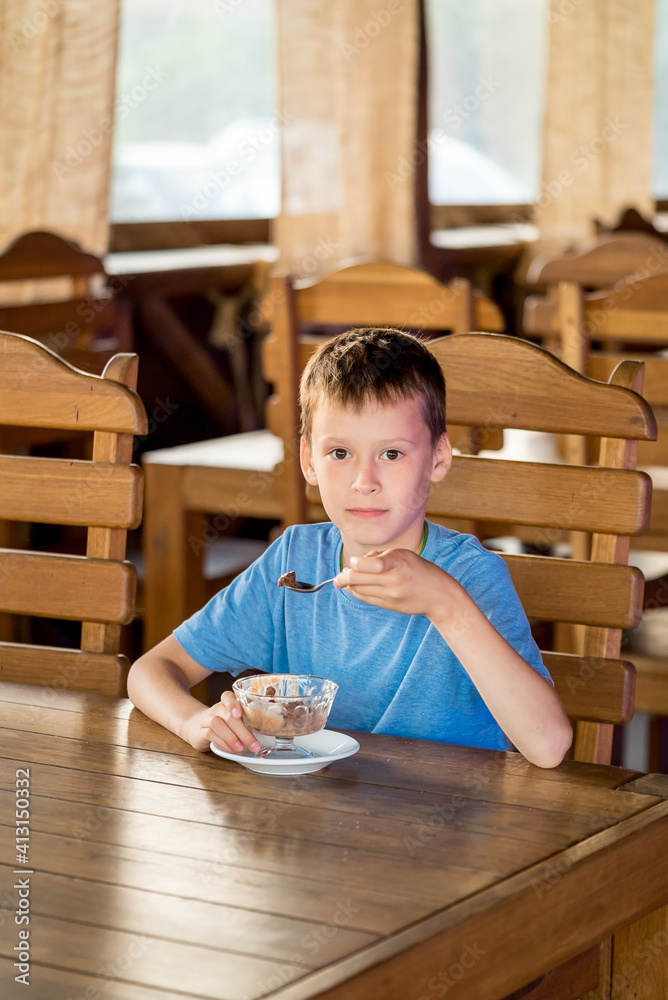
(396, 674)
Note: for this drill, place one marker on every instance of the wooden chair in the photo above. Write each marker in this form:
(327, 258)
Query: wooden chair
(603, 261)
(494, 380)
(257, 474)
(55, 292)
(40, 390)
(631, 312)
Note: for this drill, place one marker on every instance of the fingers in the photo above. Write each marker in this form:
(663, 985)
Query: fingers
(379, 583)
(373, 562)
(342, 580)
(369, 565)
(228, 728)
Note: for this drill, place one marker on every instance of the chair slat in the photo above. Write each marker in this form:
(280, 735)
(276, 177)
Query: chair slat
(630, 296)
(593, 689)
(658, 522)
(602, 262)
(83, 313)
(49, 666)
(627, 312)
(578, 499)
(68, 587)
(600, 366)
(480, 369)
(46, 255)
(63, 491)
(651, 684)
(565, 590)
(39, 389)
(652, 328)
(405, 297)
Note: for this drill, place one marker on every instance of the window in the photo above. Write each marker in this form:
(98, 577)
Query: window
(197, 118)
(196, 134)
(486, 63)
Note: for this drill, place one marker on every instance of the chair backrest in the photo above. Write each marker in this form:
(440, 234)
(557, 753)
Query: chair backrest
(378, 293)
(494, 381)
(616, 257)
(618, 265)
(55, 292)
(367, 293)
(104, 494)
(632, 311)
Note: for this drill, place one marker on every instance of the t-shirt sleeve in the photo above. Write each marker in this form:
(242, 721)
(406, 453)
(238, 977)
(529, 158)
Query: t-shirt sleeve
(488, 582)
(235, 630)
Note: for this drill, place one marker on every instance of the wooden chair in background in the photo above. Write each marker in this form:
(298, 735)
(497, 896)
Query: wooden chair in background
(601, 262)
(257, 474)
(55, 292)
(597, 330)
(40, 390)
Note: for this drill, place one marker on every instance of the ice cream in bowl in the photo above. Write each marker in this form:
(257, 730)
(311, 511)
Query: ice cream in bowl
(285, 706)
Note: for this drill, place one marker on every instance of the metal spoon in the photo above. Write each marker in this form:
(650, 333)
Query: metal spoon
(290, 581)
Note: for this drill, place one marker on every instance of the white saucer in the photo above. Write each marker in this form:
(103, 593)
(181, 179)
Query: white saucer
(327, 745)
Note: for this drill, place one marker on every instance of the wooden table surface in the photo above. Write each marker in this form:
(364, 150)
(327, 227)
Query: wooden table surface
(409, 870)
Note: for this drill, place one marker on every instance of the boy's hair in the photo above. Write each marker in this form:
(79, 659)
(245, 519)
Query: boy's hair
(374, 365)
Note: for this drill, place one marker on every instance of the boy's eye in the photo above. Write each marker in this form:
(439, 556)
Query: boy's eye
(340, 453)
(392, 454)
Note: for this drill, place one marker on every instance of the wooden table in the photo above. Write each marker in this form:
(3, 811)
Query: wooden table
(410, 870)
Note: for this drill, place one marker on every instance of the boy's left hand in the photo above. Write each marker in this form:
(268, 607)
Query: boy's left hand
(397, 579)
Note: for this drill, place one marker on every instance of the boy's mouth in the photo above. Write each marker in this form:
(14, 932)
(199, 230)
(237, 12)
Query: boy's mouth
(366, 512)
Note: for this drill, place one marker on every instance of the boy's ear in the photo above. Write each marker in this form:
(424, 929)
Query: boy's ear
(442, 459)
(306, 461)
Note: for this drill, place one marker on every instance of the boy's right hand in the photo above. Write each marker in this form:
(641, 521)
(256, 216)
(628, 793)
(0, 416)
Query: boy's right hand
(221, 724)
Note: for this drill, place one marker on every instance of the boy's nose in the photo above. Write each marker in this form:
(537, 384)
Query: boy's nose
(365, 481)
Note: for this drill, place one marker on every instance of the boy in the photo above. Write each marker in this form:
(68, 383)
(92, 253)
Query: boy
(422, 630)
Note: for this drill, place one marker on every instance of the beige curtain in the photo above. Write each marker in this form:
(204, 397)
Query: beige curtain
(598, 118)
(348, 99)
(57, 79)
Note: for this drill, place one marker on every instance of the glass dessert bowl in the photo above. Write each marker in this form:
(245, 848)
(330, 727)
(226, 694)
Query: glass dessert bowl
(285, 706)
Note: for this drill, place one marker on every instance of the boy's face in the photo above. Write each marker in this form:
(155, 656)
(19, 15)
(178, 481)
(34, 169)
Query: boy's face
(373, 468)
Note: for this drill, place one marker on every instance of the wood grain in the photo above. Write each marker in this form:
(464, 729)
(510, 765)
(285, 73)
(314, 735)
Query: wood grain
(391, 838)
(375, 912)
(60, 984)
(243, 930)
(384, 294)
(545, 395)
(593, 689)
(67, 491)
(57, 668)
(565, 496)
(356, 781)
(218, 973)
(70, 587)
(505, 960)
(602, 262)
(47, 318)
(42, 390)
(160, 866)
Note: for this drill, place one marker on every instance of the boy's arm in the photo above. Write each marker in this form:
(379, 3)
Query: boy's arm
(524, 704)
(159, 685)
